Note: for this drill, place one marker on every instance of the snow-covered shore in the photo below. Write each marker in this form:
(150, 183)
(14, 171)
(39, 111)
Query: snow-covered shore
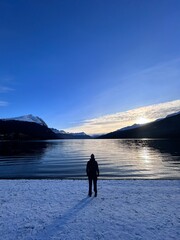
(60, 209)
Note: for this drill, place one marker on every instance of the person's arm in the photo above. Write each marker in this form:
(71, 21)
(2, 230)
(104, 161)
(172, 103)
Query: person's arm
(97, 170)
(87, 169)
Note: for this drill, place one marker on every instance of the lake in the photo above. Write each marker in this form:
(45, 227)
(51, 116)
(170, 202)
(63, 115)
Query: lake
(66, 159)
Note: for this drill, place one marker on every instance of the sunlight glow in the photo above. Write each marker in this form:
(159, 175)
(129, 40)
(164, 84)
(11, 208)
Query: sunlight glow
(145, 154)
(112, 122)
(142, 120)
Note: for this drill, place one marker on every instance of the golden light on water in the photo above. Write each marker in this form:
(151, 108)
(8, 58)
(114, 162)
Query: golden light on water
(145, 154)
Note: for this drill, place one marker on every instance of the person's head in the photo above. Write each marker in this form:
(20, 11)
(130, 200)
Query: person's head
(92, 157)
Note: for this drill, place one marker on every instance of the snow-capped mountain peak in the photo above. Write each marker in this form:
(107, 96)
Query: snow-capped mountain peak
(64, 132)
(29, 118)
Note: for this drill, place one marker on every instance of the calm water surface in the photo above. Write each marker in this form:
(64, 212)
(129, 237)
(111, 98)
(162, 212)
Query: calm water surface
(118, 159)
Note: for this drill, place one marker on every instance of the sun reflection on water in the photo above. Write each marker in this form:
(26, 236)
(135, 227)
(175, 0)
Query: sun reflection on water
(117, 158)
(145, 154)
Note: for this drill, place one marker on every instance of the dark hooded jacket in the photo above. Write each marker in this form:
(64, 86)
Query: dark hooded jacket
(92, 168)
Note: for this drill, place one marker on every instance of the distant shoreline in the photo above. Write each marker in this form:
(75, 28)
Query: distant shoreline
(84, 179)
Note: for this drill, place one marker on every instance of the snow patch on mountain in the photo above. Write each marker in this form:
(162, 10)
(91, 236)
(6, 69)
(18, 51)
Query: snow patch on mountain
(80, 133)
(64, 132)
(28, 118)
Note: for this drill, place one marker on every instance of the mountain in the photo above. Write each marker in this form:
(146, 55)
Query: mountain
(67, 135)
(27, 118)
(130, 127)
(168, 127)
(32, 127)
(25, 127)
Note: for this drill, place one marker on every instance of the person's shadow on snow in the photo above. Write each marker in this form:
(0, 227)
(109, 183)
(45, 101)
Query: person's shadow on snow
(59, 223)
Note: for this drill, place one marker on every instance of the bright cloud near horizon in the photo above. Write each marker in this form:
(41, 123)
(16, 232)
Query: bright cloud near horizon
(109, 123)
(89, 65)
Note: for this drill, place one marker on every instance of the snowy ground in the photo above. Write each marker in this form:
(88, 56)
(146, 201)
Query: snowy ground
(60, 209)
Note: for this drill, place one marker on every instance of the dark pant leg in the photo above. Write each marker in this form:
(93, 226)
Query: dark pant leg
(95, 184)
(90, 185)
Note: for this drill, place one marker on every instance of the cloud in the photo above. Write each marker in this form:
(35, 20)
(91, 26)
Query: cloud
(4, 89)
(3, 104)
(108, 123)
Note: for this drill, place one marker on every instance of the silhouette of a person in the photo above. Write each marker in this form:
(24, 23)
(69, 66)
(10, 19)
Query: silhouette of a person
(92, 171)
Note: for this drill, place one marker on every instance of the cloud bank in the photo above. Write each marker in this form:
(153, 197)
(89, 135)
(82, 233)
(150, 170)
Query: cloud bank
(4, 89)
(109, 123)
(3, 104)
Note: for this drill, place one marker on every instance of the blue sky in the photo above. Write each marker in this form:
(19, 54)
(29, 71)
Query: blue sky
(70, 61)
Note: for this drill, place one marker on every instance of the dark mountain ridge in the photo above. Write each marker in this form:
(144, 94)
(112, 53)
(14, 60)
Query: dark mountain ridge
(30, 127)
(34, 128)
(168, 127)
(15, 129)
(68, 135)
